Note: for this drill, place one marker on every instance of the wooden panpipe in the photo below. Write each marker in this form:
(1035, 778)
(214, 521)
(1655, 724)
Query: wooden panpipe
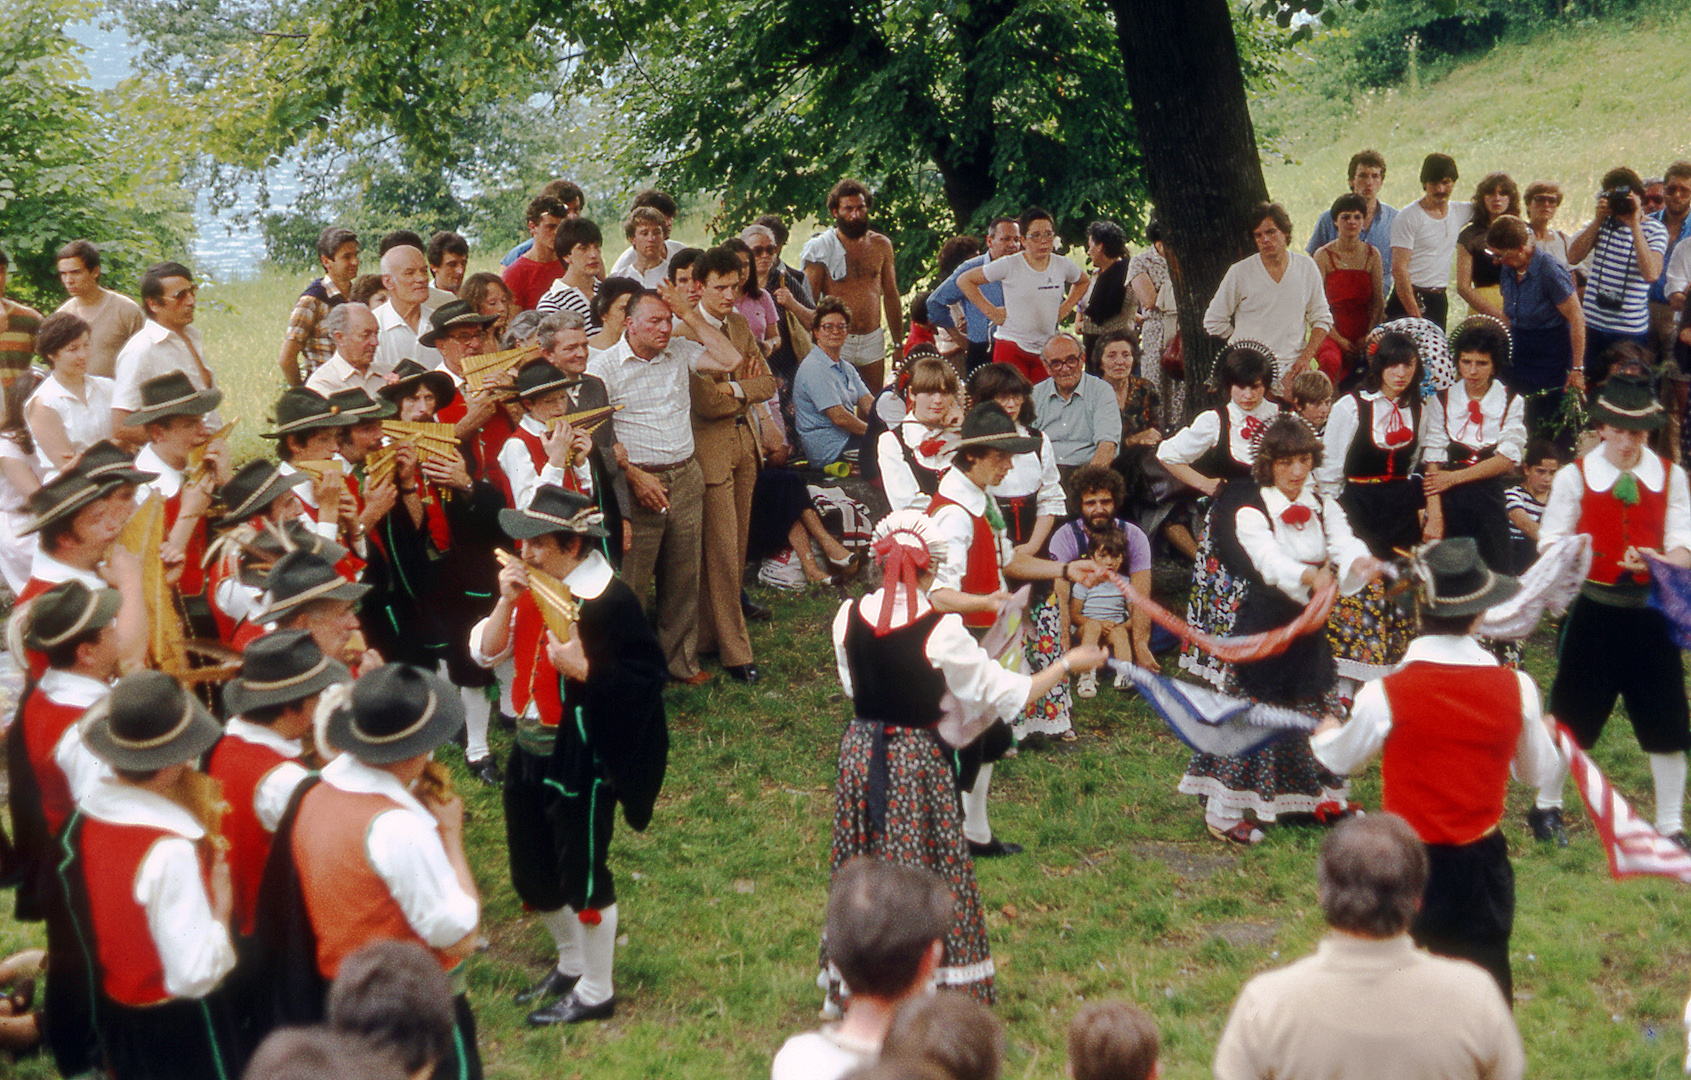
(480, 370)
(588, 420)
(197, 455)
(432, 442)
(169, 649)
(557, 605)
(318, 469)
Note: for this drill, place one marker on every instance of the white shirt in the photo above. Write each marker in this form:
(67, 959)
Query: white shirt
(897, 477)
(519, 468)
(958, 531)
(46, 568)
(83, 771)
(1431, 241)
(624, 266)
(1032, 297)
(276, 787)
(1200, 436)
(1502, 423)
(1561, 510)
(588, 581)
(169, 480)
(1034, 473)
(87, 419)
(820, 1055)
(405, 849)
(1342, 425)
(984, 687)
(193, 947)
(396, 341)
(1677, 271)
(1250, 305)
(338, 374)
(1347, 749)
(158, 351)
(655, 425)
(560, 296)
(1282, 552)
(328, 530)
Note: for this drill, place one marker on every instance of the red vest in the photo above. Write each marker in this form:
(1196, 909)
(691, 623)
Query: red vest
(1445, 765)
(484, 444)
(537, 679)
(348, 902)
(193, 573)
(45, 722)
(129, 958)
(1615, 526)
(537, 455)
(240, 766)
(981, 574)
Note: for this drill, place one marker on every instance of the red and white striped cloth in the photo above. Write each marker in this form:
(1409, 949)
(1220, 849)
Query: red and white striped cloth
(1236, 650)
(1634, 847)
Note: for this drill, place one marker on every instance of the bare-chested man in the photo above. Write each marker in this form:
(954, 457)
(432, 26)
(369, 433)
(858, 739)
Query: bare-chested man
(856, 265)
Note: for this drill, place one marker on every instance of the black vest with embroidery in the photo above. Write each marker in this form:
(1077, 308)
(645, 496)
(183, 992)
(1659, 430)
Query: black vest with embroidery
(892, 681)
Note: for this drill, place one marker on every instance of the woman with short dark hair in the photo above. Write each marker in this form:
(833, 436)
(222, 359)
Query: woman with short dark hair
(1109, 304)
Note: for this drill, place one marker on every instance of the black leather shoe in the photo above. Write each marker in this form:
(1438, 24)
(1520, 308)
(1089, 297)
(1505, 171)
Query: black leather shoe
(570, 1010)
(1681, 839)
(753, 610)
(487, 770)
(746, 673)
(994, 848)
(1547, 825)
(553, 983)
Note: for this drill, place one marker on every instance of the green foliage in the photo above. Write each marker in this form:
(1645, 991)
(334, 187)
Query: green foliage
(75, 162)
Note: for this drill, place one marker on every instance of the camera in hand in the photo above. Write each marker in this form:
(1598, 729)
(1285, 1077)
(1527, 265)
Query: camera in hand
(1620, 200)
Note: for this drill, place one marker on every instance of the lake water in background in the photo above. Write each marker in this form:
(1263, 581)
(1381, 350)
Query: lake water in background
(221, 247)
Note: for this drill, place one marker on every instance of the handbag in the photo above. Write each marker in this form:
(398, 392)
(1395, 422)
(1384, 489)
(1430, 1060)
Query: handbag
(1174, 357)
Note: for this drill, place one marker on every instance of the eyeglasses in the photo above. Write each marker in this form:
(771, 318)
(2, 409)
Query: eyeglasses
(831, 328)
(192, 290)
(1063, 362)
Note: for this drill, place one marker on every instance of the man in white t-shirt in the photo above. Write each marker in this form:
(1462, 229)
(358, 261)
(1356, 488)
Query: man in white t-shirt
(885, 936)
(405, 316)
(1424, 243)
(112, 317)
(1275, 297)
(1041, 288)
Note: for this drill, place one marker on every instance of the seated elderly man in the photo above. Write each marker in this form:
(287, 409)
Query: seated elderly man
(1369, 1005)
(1077, 411)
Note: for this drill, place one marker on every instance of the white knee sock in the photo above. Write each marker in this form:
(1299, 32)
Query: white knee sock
(566, 931)
(1669, 773)
(506, 673)
(976, 828)
(598, 947)
(1550, 788)
(476, 713)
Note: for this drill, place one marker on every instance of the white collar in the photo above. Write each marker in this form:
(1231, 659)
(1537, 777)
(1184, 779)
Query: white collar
(529, 424)
(148, 460)
(591, 577)
(1265, 411)
(349, 774)
(869, 609)
(712, 319)
(117, 803)
(157, 332)
(962, 491)
(71, 688)
(1601, 473)
(259, 735)
(1276, 502)
(1448, 649)
(52, 571)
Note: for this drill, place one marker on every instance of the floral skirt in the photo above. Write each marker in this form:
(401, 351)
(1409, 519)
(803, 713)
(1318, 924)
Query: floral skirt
(1281, 778)
(1212, 606)
(1051, 714)
(1368, 633)
(923, 827)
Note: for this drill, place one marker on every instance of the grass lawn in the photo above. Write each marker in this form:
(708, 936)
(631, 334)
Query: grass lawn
(1121, 892)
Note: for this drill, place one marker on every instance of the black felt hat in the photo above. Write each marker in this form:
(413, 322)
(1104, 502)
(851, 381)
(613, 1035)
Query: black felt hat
(553, 510)
(147, 722)
(1626, 402)
(68, 610)
(450, 314)
(1456, 581)
(171, 394)
(281, 668)
(358, 406)
(108, 464)
(269, 547)
(395, 712)
(255, 486)
(299, 409)
(541, 377)
(59, 498)
(299, 578)
(409, 375)
(990, 426)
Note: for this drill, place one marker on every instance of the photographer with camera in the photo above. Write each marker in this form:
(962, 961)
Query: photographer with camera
(1626, 248)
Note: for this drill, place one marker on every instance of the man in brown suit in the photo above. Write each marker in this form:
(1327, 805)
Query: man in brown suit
(727, 447)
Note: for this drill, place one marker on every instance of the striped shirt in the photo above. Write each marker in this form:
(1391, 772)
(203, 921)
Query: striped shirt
(18, 325)
(1614, 272)
(561, 297)
(1519, 498)
(306, 324)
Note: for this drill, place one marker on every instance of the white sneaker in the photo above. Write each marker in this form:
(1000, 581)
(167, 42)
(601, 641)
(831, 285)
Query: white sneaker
(782, 571)
(1088, 684)
(1122, 681)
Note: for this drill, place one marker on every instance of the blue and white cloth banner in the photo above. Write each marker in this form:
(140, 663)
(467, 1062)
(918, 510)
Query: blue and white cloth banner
(1210, 721)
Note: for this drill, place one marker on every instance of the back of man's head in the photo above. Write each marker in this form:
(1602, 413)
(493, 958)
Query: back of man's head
(1371, 875)
(316, 1053)
(950, 1030)
(394, 995)
(882, 920)
(1113, 1040)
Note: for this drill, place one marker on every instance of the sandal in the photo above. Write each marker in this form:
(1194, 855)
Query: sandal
(1242, 832)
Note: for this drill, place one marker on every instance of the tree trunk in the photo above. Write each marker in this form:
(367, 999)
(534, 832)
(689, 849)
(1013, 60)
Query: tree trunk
(1200, 152)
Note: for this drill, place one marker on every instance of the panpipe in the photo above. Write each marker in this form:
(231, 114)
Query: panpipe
(480, 370)
(432, 442)
(435, 784)
(202, 796)
(197, 454)
(558, 607)
(319, 469)
(169, 649)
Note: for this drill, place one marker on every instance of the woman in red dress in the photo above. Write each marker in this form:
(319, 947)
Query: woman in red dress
(1354, 279)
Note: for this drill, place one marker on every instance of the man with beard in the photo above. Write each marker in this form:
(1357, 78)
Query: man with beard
(1098, 490)
(856, 265)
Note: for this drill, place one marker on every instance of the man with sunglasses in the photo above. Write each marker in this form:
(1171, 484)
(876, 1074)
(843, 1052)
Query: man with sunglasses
(168, 342)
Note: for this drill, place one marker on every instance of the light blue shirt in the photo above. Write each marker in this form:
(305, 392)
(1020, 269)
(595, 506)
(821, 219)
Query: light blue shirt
(821, 384)
(1077, 426)
(941, 299)
(1379, 234)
